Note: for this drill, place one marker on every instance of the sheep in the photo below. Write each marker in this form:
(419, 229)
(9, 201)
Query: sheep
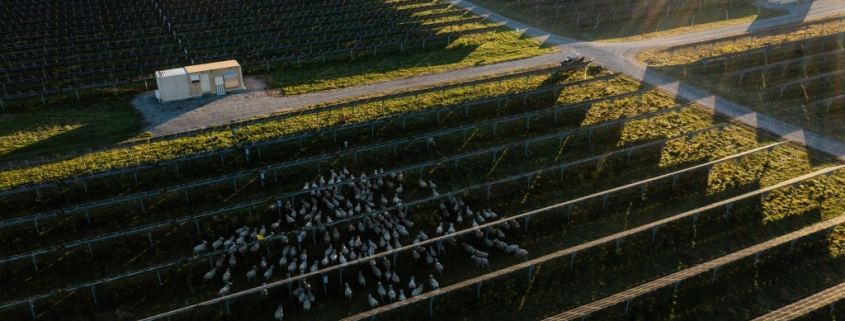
(372, 301)
(217, 244)
(232, 261)
(269, 273)
(481, 262)
(200, 248)
(227, 275)
(412, 284)
(438, 266)
(433, 283)
(381, 291)
(210, 274)
(423, 184)
(347, 292)
(226, 289)
(279, 313)
(417, 291)
(251, 274)
(390, 293)
(402, 295)
(522, 253)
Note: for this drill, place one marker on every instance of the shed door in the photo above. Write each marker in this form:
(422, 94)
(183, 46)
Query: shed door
(205, 83)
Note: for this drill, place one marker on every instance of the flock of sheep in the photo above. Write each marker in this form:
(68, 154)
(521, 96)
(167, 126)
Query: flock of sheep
(377, 201)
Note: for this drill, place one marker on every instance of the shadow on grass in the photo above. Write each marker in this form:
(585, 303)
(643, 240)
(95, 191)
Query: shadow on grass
(100, 123)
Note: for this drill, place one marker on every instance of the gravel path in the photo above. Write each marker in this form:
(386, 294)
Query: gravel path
(620, 57)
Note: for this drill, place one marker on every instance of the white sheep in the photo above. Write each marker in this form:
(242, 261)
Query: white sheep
(200, 248)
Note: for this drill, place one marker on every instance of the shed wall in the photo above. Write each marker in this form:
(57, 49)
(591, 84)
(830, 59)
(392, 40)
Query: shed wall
(174, 87)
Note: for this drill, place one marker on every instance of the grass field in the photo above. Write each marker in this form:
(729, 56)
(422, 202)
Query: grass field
(505, 298)
(802, 104)
(652, 23)
(34, 129)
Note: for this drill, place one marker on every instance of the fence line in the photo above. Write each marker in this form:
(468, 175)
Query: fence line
(653, 227)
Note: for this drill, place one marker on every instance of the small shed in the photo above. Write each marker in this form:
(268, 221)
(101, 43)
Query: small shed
(197, 80)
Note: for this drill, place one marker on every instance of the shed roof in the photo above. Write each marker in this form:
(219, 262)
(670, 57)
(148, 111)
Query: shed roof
(170, 72)
(212, 66)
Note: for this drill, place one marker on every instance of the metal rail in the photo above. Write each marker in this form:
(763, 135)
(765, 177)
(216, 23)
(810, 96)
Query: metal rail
(641, 184)
(653, 227)
(278, 199)
(713, 265)
(526, 216)
(806, 305)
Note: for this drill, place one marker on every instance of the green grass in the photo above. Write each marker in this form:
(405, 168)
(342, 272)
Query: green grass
(61, 128)
(463, 52)
(182, 285)
(797, 106)
(688, 20)
(222, 139)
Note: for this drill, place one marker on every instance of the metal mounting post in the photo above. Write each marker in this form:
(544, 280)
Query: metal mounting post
(604, 200)
(716, 269)
(654, 233)
(530, 272)
(431, 306)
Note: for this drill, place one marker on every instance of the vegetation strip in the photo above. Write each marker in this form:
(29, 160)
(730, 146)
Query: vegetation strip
(74, 167)
(677, 277)
(651, 226)
(313, 108)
